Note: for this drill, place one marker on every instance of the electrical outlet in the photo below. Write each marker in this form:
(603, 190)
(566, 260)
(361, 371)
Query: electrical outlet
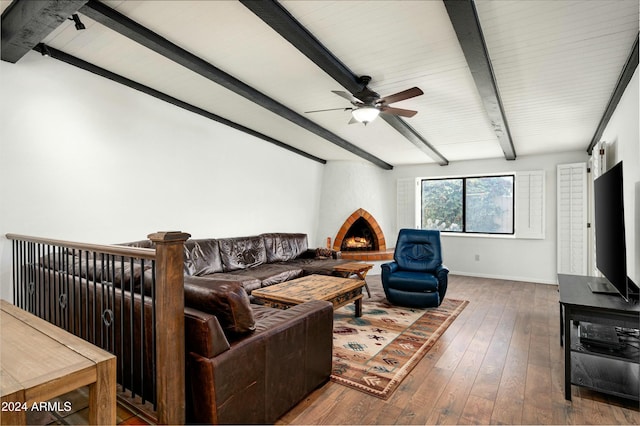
(477, 257)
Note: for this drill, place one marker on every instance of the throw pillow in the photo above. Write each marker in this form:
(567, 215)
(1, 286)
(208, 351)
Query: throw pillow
(323, 253)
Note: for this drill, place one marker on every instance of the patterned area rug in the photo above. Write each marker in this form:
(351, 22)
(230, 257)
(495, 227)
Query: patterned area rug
(375, 352)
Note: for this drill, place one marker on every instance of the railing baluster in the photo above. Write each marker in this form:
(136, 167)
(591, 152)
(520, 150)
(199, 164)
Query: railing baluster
(121, 354)
(56, 287)
(16, 272)
(132, 340)
(142, 348)
(39, 310)
(64, 304)
(16, 295)
(153, 332)
(88, 290)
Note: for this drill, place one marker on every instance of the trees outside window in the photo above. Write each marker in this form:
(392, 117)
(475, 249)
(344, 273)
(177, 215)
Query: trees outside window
(469, 204)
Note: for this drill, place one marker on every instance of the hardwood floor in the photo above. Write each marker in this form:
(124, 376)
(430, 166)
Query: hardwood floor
(500, 362)
(78, 414)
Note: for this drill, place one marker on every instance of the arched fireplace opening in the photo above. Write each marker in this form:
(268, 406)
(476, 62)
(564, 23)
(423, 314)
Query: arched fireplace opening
(363, 233)
(368, 243)
(359, 237)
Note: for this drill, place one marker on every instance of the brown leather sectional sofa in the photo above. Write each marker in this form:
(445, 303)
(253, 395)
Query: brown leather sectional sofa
(247, 363)
(257, 261)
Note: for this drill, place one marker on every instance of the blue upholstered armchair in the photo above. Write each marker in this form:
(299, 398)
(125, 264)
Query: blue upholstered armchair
(417, 277)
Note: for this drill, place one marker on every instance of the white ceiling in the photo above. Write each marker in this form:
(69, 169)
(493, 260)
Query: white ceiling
(556, 65)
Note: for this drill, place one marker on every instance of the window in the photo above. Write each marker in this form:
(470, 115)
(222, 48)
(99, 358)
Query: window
(469, 204)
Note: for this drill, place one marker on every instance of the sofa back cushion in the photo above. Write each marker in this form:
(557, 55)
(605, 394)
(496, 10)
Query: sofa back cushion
(111, 269)
(202, 257)
(242, 252)
(281, 247)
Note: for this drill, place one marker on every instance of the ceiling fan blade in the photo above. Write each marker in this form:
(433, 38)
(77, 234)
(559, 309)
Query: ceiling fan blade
(401, 96)
(347, 96)
(398, 111)
(330, 109)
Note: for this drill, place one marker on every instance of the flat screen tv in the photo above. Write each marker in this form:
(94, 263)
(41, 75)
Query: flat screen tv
(611, 253)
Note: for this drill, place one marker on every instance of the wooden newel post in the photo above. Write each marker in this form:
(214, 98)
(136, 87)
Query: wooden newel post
(170, 351)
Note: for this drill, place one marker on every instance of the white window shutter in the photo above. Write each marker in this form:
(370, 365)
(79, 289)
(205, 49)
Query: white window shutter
(572, 218)
(530, 221)
(406, 203)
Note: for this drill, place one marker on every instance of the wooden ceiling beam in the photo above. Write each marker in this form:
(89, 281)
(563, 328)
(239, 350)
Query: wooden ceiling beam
(464, 17)
(625, 77)
(127, 27)
(25, 23)
(278, 18)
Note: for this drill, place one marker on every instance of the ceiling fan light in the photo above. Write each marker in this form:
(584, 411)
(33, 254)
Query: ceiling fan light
(365, 114)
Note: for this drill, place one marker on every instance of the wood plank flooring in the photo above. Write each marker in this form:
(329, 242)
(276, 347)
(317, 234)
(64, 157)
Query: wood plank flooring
(78, 401)
(500, 362)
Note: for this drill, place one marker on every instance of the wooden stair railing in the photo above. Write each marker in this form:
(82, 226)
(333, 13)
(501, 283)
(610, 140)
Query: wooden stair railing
(169, 306)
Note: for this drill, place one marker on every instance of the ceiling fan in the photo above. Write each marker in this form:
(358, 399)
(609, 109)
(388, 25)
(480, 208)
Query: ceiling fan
(367, 104)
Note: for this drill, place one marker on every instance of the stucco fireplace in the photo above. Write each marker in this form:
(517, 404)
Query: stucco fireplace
(361, 238)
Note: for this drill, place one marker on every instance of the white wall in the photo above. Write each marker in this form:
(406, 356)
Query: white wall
(86, 159)
(348, 186)
(622, 136)
(502, 257)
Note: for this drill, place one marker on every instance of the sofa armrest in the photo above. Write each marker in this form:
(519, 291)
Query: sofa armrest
(203, 333)
(227, 300)
(266, 373)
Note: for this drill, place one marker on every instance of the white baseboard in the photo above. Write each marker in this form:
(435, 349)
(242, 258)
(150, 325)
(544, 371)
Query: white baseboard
(503, 277)
(376, 271)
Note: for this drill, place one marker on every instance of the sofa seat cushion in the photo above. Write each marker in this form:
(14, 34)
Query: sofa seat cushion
(317, 266)
(202, 257)
(281, 247)
(227, 300)
(422, 282)
(268, 318)
(242, 253)
(270, 274)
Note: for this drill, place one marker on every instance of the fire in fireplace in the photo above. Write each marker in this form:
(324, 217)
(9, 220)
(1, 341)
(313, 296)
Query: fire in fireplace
(359, 237)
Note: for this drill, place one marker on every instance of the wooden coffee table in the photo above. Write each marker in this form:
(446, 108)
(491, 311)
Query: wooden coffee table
(339, 291)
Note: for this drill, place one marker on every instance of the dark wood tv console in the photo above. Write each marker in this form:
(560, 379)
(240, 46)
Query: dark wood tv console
(615, 371)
